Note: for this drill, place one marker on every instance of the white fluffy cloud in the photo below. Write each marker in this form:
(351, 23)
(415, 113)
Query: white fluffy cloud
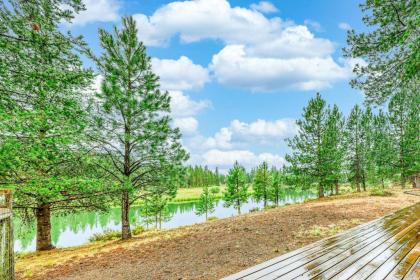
(242, 135)
(181, 74)
(200, 19)
(264, 7)
(225, 159)
(344, 26)
(234, 66)
(187, 125)
(260, 53)
(98, 10)
(183, 106)
(262, 130)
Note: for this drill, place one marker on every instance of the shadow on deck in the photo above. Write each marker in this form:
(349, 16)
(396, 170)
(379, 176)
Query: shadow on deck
(385, 248)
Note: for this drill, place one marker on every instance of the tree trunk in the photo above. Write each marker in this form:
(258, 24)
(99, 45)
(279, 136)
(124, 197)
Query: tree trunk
(43, 228)
(337, 188)
(125, 208)
(238, 206)
(414, 181)
(364, 182)
(321, 190)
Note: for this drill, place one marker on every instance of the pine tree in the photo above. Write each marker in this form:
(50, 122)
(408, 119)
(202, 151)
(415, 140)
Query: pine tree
(276, 189)
(132, 124)
(404, 118)
(390, 48)
(155, 210)
(261, 183)
(382, 153)
(368, 166)
(334, 147)
(42, 148)
(236, 191)
(206, 203)
(357, 126)
(308, 159)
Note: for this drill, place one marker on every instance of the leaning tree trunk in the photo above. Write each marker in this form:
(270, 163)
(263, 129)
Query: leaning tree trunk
(125, 208)
(43, 228)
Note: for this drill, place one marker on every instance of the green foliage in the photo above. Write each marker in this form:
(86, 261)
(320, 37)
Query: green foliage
(358, 140)
(390, 48)
(236, 191)
(317, 150)
(255, 209)
(154, 210)
(262, 183)
(405, 130)
(138, 230)
(43, 153)
(212, 218)
(107, 235)
(380, 192)
(131, 125)
(206, 203)
(198, 177)
(215, 190)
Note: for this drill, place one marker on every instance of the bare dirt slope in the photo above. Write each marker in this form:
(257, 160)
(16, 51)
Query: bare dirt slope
(213, 249)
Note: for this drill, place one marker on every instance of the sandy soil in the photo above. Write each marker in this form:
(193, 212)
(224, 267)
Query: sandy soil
(213, 249)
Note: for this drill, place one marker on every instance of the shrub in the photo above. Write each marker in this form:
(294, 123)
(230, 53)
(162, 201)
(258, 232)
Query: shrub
(212, 218)
(107, 235)
(137, 230)
(215, 190)
(380, 192)
(270, 206)
(256, 209)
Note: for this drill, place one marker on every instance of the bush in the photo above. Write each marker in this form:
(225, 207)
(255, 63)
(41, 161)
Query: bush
(212, 218)
(137, 230)
(107, 235)
(270, 207)
(380, 192)
(215, 190)
(256, 209)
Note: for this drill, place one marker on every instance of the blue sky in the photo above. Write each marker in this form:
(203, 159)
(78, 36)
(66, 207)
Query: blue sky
(239, 71)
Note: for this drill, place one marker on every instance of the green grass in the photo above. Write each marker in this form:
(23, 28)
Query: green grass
(192, 194)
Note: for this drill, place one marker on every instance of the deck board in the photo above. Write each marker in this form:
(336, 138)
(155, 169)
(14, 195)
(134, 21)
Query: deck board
(387, 247)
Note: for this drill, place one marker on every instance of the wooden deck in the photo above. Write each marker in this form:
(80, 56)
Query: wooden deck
(386, 248)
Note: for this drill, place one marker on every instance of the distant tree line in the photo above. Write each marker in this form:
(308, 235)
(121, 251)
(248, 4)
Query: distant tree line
(199, 176)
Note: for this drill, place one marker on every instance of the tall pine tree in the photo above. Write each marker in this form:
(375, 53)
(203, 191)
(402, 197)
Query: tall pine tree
(42, 123)
(308, 159)
(132, 124)
(404, 118)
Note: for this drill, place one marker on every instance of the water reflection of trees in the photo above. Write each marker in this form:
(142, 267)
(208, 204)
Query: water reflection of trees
(88, 220)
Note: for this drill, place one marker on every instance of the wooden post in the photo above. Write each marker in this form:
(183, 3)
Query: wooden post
(7, 269)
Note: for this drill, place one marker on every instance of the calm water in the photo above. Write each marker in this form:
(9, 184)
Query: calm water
(75, 229)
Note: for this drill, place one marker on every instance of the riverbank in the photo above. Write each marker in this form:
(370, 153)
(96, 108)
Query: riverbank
(213, 249)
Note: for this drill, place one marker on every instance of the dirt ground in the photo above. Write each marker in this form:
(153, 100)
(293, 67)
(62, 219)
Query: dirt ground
(212, 249)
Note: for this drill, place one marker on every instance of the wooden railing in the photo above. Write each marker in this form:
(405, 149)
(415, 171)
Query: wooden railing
(7, 271)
